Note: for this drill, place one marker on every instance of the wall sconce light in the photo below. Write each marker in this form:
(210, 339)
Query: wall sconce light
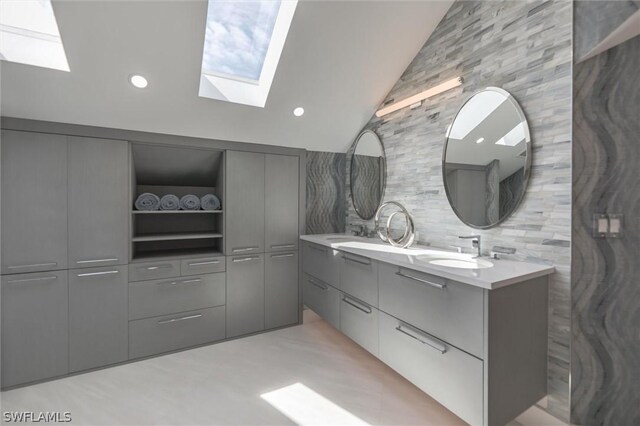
(412, 100)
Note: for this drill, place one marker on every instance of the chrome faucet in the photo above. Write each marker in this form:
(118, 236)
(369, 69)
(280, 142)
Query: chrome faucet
(475, 242)
(360, 230)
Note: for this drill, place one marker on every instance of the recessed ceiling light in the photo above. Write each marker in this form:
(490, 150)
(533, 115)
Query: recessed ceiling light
(480, 140)
(138, 81)
(298, 111)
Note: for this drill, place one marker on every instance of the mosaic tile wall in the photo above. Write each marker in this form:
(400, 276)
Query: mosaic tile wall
(525, 48)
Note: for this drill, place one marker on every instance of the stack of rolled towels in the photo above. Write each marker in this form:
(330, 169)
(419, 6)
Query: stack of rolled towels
(149, 202)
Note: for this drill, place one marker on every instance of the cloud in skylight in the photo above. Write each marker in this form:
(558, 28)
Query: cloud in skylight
(237, 37)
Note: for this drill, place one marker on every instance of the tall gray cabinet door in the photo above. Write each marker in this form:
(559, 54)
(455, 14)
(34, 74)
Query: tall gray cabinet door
(98, 317)
(281, 289)
(244, 199)
(34, 327)
(34, 202)
(245, 294)
(98, 202)
(281, 207)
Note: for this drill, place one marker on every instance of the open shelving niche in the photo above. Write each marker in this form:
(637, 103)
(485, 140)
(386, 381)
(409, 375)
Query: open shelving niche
(176, 170)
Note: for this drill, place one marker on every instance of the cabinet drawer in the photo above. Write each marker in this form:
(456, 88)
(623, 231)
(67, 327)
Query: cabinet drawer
(168, 296)
(281, 294)
(446, 309)
(204, 265)
(359, 277)
(322, 299)
(450, 376)
(359, 321)
(154, 270)
(322, 263)
(167, 333)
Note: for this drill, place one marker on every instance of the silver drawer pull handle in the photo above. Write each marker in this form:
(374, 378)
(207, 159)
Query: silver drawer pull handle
(350, 259)
(195, 280)
(241, 249)
(33, 265)
(322, 249)
(283, 255)
(92, 274)
(279, 246)
(436, 285)
(245, 259)
(180, 319)
(365, 309)
(153, 268)
(209, 262)
(422, 339)
(32, 279)
(320, 286)
(115, 259)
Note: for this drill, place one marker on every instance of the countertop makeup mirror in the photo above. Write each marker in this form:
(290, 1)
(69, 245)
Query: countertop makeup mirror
(368, 174)
(486, 161)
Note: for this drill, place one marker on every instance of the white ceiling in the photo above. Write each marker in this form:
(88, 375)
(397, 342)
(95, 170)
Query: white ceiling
(340, 60)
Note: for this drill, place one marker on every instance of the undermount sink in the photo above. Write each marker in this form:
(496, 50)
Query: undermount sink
(455, 260)
(338, 239)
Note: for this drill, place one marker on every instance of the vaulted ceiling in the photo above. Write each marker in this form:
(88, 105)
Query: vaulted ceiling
(340, 60)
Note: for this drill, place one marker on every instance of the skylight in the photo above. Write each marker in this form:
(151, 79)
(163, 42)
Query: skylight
(242, 48)
(29, 34)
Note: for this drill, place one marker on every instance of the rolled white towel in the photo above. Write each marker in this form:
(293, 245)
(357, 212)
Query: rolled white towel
(169, 202)
(147, 201)
(210, 202)
(190, 202)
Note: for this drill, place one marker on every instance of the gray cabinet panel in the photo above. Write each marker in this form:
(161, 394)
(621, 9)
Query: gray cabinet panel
(34, 327)
(168, 296)
(98, 325)
(98, 202)
(168, 333)
(359, 277)
(453, 378)
(321, 262)
(281, 208)
(359, 321)
(281, 289)
(34, 202)
(245, 294)
(245, 203)
(322, 299)
(205, 265)
(446, 309)
(154, 270)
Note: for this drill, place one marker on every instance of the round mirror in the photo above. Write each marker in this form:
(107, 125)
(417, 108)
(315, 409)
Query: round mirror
(368, 172)
(487, 158)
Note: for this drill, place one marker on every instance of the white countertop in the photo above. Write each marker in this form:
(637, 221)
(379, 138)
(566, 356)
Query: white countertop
(502, 273)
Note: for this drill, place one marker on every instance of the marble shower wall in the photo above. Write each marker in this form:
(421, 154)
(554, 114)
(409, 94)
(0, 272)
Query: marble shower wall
(525, 48)
(605, 368)
(325, 192)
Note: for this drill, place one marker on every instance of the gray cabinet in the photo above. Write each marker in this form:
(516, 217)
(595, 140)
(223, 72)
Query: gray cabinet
(281, 208)
(245, 294)
(98, 202)
(359, 277)
(98, 322)
(359, 321)
(34, 327)
(322, 299)
(154, 270)
(321, 262)
(34, 202)
(281, 289)
(245, 203)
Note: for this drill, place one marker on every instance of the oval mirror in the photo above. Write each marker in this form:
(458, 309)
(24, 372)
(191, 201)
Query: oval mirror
(487, 158)
(368, 174)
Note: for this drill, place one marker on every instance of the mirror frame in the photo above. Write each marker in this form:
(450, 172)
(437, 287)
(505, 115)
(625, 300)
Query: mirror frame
(384, 173)
(528, 163)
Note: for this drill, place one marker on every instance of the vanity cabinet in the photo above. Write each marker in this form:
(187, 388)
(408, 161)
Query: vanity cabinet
(98, 326)
(359, 321)
(35, 334)
(98, 202)
(34, 202)
(281, 202)
(321, 298)
(322, 263)
(359, 277)
(245, 294)
(281, 293)
(245, 202)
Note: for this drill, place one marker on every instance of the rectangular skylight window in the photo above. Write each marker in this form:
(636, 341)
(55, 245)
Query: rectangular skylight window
(242, 48)
(29, 34)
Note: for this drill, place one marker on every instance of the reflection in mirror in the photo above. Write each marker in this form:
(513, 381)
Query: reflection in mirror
(487, 157)
(368, 168)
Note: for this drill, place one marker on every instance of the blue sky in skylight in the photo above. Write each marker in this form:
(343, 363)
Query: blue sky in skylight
(237, 37)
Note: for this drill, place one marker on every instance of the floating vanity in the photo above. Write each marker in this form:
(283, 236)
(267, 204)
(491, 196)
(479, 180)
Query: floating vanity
(471, 333)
